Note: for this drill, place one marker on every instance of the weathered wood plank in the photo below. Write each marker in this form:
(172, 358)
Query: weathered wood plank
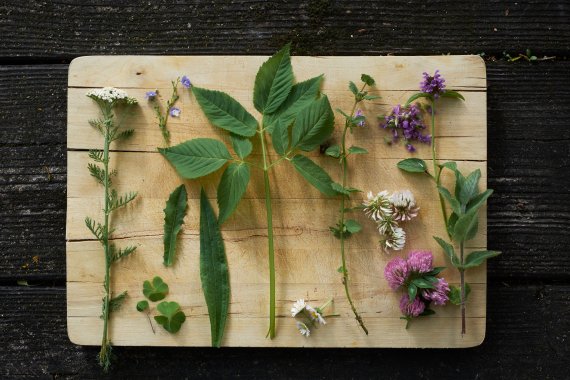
(321, 27)
(37, 345)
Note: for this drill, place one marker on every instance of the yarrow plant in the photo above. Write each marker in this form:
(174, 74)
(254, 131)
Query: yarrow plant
(388, 211)
(109, 100)
(346, 227)
(465, 201)
(416, 276)
(308, 317)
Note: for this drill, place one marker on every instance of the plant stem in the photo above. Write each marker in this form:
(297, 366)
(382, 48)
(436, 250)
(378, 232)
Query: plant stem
(462, 274)
(343, 166)
(266, 166)
(436, 170)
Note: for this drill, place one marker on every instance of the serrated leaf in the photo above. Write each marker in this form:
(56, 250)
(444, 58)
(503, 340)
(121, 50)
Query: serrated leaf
(314, 174)
(313, 125)
(142, 305)
(449, 251)
(225, 112)
(213, 270)
(241, 145)
(477, 258)
(352, 226)
(417, 96)
(466, 227)
(367, 79)
(455, 294)
(280, 137)
(231, 189)
(454, 203)
(171, 318)
(174, 213)
(155, 290)
(273, 82)
(333, 151)
(352, 87)
(357, 150)
(412, 165)
(478, 201)
(412, 291)
(470, 189)
(197, 157)
(451, 94)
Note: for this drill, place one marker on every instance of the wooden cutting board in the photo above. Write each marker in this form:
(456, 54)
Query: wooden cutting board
(307, 256)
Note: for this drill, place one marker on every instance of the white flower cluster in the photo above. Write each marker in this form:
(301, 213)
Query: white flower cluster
(313, 316)
(387, 210)
(110, 95)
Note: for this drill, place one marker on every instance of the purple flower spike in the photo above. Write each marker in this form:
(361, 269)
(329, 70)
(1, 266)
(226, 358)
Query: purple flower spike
(150, 95)
(186, 81)
(175, 112)
(407, 123)
(411, 309)
(396, 272)
(439, 295)
(420, 261)
(433, 84)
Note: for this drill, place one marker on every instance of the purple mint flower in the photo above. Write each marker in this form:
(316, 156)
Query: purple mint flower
(406, 123)
(360, 123)
(420, 261)
(410, 148)
(175, 112)
(150, 95)
(433, 84)
(186, 81)
(411, 309)
(439, 295)
(396, 272)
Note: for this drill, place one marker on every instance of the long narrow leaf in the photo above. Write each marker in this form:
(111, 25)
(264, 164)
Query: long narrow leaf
(174, 213)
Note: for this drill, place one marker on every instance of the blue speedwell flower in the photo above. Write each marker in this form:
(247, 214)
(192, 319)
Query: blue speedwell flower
(150, 95)
(175, 112)
(186, 81)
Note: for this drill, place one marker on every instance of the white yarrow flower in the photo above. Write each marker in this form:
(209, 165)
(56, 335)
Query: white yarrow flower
(404, 205)
(303, 329)
(110, 95)
(298, 307)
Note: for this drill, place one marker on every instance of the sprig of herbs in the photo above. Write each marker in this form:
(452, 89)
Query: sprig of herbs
(108, 100)
(346, 227)
(296, 118)
(163, 114)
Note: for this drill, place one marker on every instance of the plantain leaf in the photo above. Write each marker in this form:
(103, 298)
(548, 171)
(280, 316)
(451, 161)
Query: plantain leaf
(412, 165)
(280, 137)
(273, 82)
(313, 125)
(231, 188)
(172, 317)
(174, 213)
(213, 270)
(197, 157)
(242, 146)
(156, 290)
(314, 174)
(225, 112)
(477, 258)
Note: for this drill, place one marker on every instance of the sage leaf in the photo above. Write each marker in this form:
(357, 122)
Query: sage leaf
(418, 95)
(313, 125)
(142, 305)
(478, 201)
(155, 290)
(242, 146)
(352, 226)
(357, 150)
(333, 151)
(225, 112)
(413, 165)
(197, 157)
(314, 174)
(449, 251)
(273, 82)
(477, 258)
(231, 189)
(455, 294)
(451, 94)
(213, 270)
(466, 227)
(174, 213)
(280, 137)
(172, 317)
(367, 79)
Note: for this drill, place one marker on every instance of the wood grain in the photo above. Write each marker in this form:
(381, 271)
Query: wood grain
(306, 251)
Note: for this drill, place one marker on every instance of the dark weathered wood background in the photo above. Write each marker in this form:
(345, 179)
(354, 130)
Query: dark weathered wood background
(529, 140)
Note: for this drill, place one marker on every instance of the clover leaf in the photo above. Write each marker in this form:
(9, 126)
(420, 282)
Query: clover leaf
(172, 317)
(156, 290)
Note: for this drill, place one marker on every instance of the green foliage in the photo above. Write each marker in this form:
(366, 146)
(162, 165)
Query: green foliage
(198, 157)
(352, 226)
(417, 96)
(455, 294)
(333, 151)
(117, 255)
(242, 146)
(174, 213)
(162, 113)
(155, 290)
(357, 150)
(171, 318)
(314, 174)
(412, 165)
(477, 258)
(280, 137)
(313, 125)
(213, 270)
(452, 94)
(116, 302)
(449, 251)
(142, 305)
(367, 79)
(231, 189)
(273, 82)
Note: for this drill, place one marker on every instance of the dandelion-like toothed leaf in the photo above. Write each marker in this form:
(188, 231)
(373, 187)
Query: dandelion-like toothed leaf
(116, 302)
(197, 158)
(367, 79)
(454, 203)
(417, 96)
(280, 137)
(466, 227)
(273, 82)
(313, 125)
(231, 189)
(413, 165)
(155, 291)
(357, 150)
(225, 112)
(455, 294)
(477, 258)
(242, 146)
(470, 189)
(302, 95)
(451, 94)
(213, 270)
(314, 174)
(171, 318)
(174, 213)
(333, 151)
(449, 251)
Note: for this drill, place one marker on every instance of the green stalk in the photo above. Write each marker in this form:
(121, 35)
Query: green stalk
(266, 167)
(341, 224)
(462, 274)
(437, 171)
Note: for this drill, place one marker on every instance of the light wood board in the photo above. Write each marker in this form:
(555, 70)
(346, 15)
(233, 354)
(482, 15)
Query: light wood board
(307, 256)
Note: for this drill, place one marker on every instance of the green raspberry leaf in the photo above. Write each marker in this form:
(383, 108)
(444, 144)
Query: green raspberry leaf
(273, 82)
(197, 157)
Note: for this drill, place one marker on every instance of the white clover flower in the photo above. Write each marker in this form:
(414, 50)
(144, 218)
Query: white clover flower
(298, 307)
(404, 205)
(315, 315)
(303, 329)
(386, 225)
(110, 95)
(377, 206)
(395, 240)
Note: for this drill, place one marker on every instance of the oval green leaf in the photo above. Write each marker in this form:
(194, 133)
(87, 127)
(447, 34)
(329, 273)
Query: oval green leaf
(477, 258)
(413, 165)
(231, 189)
(242, 145)
(314, 174)
(197, 158)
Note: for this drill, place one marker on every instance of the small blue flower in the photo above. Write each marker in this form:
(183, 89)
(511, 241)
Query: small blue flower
(186, 82)
(150, 95)
(175, 112)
